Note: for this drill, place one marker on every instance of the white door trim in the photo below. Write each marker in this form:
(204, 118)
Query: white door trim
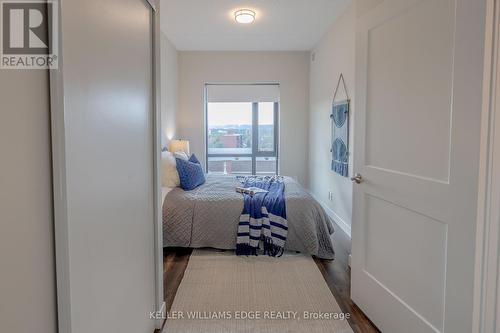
(61, 236)
(487, 293)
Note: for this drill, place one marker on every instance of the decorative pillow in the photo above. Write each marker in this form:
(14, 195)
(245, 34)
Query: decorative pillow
(169, 174)
(182, 155)
(194, 159)
(190, 174)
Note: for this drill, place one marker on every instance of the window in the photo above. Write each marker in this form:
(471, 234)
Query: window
(242, 128)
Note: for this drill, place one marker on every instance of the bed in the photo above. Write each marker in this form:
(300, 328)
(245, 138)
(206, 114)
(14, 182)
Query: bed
(208, 217)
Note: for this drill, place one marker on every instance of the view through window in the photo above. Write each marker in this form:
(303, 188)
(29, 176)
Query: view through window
(242, 135)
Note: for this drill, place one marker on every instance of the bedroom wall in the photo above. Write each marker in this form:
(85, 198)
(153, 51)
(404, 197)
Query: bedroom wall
(334, 54)
(169, 84)
(289, 69)
(27, 289)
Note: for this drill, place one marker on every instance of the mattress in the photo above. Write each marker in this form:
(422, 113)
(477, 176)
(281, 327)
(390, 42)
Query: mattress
(164, 192)
(208, 216)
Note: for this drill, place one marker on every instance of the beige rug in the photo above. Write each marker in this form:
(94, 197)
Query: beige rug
(221, 292)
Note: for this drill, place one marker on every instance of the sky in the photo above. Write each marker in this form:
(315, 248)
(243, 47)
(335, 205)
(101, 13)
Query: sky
(238, 114)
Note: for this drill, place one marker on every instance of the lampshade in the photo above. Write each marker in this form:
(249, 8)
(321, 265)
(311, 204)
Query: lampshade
(178, 145)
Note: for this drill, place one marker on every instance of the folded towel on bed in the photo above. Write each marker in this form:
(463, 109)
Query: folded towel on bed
(263, 217)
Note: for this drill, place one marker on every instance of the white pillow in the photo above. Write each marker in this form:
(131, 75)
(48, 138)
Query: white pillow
(182, 155)
(169, 174)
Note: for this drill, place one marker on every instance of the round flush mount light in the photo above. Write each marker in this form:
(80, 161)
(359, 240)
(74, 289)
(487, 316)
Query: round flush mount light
(244, 16)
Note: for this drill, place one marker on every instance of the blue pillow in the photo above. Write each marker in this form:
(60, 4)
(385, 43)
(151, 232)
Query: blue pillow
(190, 174)
(194, 159)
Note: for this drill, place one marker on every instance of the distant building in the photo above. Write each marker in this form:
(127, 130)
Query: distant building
(231, 140)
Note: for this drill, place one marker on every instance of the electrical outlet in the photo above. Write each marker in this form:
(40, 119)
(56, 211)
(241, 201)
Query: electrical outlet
(330, 195)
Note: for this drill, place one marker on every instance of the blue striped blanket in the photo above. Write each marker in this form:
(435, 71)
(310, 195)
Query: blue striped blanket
(263, 217)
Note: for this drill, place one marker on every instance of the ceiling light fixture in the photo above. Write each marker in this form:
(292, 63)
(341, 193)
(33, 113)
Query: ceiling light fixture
(244, 16)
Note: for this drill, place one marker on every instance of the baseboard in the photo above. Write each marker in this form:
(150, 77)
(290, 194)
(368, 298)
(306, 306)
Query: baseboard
(337, 219)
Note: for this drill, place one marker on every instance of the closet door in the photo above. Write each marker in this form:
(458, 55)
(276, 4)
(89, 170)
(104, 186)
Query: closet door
(106, 157)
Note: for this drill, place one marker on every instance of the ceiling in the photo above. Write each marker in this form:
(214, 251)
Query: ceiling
(209, 25)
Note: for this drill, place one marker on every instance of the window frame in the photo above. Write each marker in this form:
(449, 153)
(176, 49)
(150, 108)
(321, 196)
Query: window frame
(255, 136)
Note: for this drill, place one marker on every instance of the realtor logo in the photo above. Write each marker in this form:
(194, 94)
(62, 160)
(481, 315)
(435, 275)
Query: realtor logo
(29, 34)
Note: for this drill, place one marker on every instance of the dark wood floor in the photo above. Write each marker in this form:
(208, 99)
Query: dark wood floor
(336, 273)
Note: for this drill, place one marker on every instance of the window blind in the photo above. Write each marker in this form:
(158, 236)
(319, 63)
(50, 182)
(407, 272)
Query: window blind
(233, 93)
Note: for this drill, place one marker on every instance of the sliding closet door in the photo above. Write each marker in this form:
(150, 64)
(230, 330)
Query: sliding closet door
(106, 81)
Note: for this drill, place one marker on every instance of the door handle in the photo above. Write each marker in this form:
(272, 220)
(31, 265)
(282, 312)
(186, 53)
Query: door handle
(357, 178)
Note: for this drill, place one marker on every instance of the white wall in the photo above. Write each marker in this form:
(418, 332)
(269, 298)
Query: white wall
(334, 54)
(365, 6)
(169, 84)
(27, 288)
(289, 69)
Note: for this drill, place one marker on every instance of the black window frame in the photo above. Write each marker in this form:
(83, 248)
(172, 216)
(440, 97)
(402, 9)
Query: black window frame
(256, 153)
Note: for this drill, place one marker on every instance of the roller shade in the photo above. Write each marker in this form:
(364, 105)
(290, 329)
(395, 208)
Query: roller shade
(219, 93)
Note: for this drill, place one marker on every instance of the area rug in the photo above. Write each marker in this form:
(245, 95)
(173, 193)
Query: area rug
(221, 292)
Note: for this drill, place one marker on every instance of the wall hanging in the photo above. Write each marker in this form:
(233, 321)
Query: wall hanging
(340, 131)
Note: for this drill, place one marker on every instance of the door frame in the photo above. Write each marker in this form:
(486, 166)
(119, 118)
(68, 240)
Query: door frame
(487, 268)
(61, 236)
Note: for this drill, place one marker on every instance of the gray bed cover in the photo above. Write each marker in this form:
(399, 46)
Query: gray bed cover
(208, 217)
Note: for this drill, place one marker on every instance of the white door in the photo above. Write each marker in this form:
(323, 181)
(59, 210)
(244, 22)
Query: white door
(106, 277)
(418, 104)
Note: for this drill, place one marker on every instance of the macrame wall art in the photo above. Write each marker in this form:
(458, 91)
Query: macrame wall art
(340, 130)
